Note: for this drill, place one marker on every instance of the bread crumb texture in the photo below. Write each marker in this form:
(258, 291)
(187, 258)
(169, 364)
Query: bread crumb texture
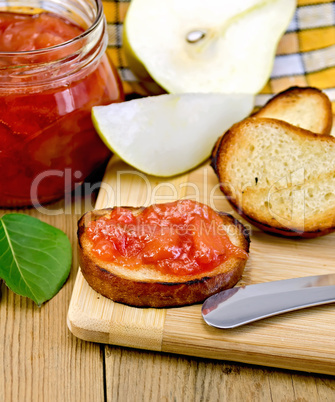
(279, 174)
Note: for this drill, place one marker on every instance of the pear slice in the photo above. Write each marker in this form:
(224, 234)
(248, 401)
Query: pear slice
(206, 46)
(166, 135)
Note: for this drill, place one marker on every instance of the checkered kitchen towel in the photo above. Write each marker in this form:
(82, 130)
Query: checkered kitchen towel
(305, 54)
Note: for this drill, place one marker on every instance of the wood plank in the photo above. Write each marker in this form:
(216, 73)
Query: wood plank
(147, 376)
(95, 318)
(40, 360)
(300, 340)
(289, 341)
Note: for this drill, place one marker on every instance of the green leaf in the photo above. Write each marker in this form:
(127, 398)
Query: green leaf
(35, 258)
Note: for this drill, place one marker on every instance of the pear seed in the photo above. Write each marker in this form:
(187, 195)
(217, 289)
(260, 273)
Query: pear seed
(195, 36)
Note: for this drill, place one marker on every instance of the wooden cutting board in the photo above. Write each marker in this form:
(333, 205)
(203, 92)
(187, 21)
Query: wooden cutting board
(302, 340)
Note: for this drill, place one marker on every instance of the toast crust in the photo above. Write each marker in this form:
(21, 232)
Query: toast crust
(282, 231)
(248, 201)
(148, 289)
(304, 107)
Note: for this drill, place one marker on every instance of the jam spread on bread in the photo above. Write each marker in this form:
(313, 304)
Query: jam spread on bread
(180, 238)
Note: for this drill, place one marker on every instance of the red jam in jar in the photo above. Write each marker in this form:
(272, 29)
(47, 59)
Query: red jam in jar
(179, 238)
(52, 72)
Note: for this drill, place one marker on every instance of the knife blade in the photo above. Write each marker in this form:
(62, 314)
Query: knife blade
(242, 305)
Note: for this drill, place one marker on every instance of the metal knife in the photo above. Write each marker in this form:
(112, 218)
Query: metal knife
(242, 305)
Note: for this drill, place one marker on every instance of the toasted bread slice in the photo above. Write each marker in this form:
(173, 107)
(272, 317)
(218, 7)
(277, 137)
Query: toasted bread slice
(148, 287)
(304, 107)
(279, 177)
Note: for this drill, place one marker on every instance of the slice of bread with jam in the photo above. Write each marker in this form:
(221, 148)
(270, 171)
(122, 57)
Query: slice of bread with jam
(135, 257)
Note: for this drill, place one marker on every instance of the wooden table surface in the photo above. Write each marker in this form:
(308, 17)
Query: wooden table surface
(40, 359)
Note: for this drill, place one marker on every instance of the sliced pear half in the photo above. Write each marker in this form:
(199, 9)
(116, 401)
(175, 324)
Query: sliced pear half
(206, 46)
(166, 135)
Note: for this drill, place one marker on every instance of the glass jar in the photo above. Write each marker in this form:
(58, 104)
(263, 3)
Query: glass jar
(47, 140)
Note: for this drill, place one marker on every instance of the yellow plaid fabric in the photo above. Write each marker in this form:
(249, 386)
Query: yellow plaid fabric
(305, 54)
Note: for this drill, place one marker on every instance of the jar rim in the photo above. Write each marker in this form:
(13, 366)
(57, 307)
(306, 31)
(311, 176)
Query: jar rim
(78, 38)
